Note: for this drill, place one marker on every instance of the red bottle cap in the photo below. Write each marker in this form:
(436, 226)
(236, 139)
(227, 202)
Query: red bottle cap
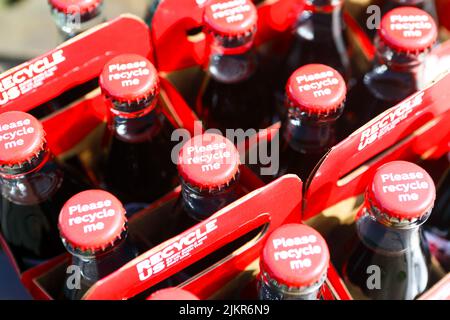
(172, 294)
(402, 190)
(316, 89)
(408, 29)
(129, 78)
(230, 18)
(71, 6)
(22, 137)
(296, 256)
(208, 161)
(92, 220)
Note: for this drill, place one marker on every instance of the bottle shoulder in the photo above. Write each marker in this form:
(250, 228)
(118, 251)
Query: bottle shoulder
(233, 69)
(387, 85)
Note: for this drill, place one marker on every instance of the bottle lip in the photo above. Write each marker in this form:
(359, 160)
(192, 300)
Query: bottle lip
(172, 294)
(92, 221)
(129, 79)
(408, 30)
(387, 195)
(217, 15)
(208, 162)
(81, 6)
(23, 139)
(316, 89)
(277, 265)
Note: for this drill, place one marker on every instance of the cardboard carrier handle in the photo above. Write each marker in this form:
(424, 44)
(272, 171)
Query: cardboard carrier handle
(414, 129)
(274, 205)
(73, 63)
(173, 21)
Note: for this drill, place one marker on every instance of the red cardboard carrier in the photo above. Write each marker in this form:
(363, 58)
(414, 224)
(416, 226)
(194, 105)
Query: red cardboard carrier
(416, 130)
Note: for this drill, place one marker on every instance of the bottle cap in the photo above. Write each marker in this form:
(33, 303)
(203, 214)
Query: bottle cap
(230, 18)
(22, 138)
(208, 161)
(316, 89)
(129, 78)
(408, 29)
(172, 294)
(295, 256)
(70, 6)
(92, 221)
(401, 190)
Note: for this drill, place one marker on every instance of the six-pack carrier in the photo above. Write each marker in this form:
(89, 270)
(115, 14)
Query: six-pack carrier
(227, 149)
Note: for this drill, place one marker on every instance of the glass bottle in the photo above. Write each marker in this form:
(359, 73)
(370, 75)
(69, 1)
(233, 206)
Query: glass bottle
(405, 38)
(235, 92)
(93, 229)
(138, 168)
(390, 258)
(34, 187)
(294, 264)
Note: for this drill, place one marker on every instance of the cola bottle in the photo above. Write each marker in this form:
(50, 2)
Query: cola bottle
(138, 168)
(208, 166)
(294, 264)
(174, 293)
(319, 36)
(405, 37)
(390, 259)
(234, 93)
(34, 187)
(315, 96)
(93, 228)
(73, 17)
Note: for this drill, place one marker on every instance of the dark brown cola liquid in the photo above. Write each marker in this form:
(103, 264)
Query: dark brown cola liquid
(191, 208)
(138, 168)
(235, 94)
(29, 213)
(380, 89)
(99, 266)
(297, 147)
(401, 256)
(318, 38)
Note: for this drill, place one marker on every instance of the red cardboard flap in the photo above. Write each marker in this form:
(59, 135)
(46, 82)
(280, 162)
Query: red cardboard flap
(409, 131)
(73, 63)
(174, 22)
(260, 207)
(60, 138)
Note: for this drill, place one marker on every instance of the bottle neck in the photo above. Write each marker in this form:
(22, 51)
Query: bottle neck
(39, 180)
(268, 290)
(399, 62)
(139, 128)
(96, 266)
(72, 24)
(305, 133)
(232, 60)
(321, 20)
(201, 204)
(383, 235)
